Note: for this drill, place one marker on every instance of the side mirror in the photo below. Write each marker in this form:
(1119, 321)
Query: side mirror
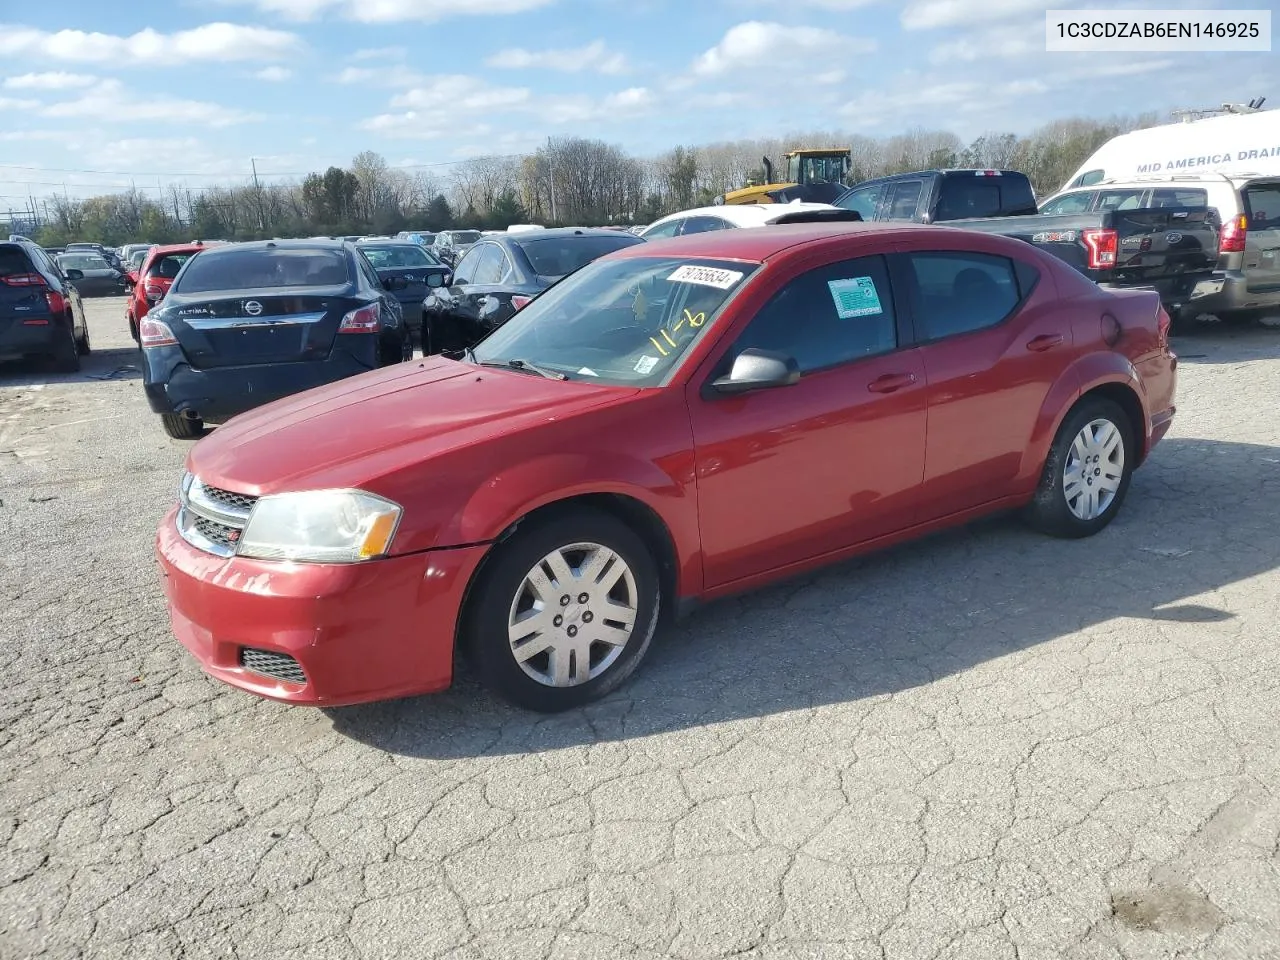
(73, 274)
(435, 280)
(758, 370)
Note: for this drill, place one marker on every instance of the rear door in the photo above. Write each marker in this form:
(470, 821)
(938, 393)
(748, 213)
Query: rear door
(1262, 239)
(904, 200)
(993, 344)
(239, 307)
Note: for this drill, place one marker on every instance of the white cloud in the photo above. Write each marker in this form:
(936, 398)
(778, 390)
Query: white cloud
(273, 74)
(49, 81)
(396, 11)
(453, 92)
(583, 108)
(13, 103)
(595, 57)
(380, 53)
(1000, 42)
(210, 42)
(763, 44)
(932, 14)
(111, 99)
(390, 76)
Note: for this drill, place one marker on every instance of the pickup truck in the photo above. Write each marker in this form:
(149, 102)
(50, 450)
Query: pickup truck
(1171, 250)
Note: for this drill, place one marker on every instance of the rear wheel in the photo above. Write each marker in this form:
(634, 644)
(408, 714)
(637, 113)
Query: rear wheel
(564, 611)
(1087, 472)
(83, 346)
(66, 353)
(180, 427)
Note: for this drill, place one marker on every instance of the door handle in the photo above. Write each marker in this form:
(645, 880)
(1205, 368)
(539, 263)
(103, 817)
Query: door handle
(1045, 342)
(891, 382)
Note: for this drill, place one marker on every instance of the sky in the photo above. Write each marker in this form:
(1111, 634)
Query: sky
(98, 96)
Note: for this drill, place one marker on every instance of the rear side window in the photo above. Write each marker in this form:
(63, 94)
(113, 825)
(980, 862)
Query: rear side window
(959, 292)
(904, 199)
(667, 229)
(971, 196)
(558, 256)
(702, 225)
(250, 269)
(1068, 203)
(1119, 199)
(1195, 199)
(864, 200)
(491, 266)
(828, 316)
(1263, 206)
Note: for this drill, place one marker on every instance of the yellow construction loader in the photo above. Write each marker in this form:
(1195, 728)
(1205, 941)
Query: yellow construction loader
(814, 176)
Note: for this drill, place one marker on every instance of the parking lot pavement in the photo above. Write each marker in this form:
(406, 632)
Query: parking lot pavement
(987, 745)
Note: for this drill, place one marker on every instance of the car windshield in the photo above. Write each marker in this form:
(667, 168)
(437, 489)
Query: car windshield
(557, 256)
(82, 261)
(466, 236)
(399, 255)
(136, 258)
(254, 269)
(626, 322)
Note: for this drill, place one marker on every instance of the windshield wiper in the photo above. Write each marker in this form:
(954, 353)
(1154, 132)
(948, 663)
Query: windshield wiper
(515, 363)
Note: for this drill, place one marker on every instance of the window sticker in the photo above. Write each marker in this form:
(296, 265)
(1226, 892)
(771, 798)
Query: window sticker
(706, 276)
(645, 365)
(856, 297)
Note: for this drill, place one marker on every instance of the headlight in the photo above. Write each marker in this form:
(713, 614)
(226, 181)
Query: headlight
(320, 526)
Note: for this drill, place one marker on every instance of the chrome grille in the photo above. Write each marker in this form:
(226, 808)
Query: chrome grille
(212, 519)
(225, 498)
(269, 663)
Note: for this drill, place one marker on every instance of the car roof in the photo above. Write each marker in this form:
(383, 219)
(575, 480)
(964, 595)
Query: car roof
(758, 245)
(532, 236)
(312, 243)
(743, 214)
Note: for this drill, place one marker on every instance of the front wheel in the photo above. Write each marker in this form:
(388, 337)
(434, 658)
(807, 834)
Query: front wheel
(564, 611)
(1087, 472)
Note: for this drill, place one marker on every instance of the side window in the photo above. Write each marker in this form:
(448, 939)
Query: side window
(864, 200)
(904, 199)
(668, 229)
(702, 225)
(1195, 199)
(1068, 203)
(370, 275)
(489, 269)
(828, 316)
(958, 292)
(1120, 199)
(968, 197)
(466, 267)
(504, 266)
(1089, 178)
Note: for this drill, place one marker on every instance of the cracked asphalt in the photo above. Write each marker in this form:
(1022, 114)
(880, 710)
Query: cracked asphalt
(988, 745)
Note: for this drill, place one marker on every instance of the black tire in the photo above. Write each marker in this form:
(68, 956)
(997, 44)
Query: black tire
(484, 634)
(1050, 511)
(66, 353)
(180, 427)
(83, 346)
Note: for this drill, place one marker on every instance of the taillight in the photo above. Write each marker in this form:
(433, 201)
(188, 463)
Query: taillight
(155, 290)
(23, 280)
(364, 320)
(155, 333)
(1102, 246)
(519, 302)
(1234, 233)
(57, 302)
(1164, 323)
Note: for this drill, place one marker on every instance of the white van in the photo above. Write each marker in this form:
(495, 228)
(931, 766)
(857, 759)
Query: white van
(1236, 145)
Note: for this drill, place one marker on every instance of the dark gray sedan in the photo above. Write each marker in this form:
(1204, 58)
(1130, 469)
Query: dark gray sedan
(96, 278)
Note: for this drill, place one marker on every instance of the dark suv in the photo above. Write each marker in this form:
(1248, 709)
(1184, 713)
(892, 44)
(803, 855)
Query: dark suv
(935, 196)
(40, 310)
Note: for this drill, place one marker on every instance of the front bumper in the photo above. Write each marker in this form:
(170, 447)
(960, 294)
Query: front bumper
(174, 386)
(359, 632)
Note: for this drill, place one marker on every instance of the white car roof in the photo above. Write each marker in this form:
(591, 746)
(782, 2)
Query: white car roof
(744, 214)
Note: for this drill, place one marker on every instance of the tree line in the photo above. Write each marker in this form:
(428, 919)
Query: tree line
(568, 181)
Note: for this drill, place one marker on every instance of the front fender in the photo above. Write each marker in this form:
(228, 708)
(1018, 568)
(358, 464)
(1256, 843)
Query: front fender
(1084, 374)
(666, 487)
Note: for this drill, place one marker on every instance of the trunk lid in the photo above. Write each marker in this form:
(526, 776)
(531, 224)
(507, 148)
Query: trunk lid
(258, 326)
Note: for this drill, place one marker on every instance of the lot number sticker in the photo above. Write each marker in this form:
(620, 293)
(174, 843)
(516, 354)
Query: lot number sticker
(856, 297)
(706, 276)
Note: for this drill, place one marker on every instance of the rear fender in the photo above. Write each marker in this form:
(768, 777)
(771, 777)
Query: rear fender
(1086, 373)
(507, 497)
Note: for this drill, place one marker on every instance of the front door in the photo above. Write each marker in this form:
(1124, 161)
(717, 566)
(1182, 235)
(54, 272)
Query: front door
(790, 473)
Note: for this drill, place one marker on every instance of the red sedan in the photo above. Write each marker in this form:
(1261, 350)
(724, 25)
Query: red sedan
(677, 421)
(153, 279)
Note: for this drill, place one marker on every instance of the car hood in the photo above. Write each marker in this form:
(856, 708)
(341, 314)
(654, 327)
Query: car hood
(349, 433)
